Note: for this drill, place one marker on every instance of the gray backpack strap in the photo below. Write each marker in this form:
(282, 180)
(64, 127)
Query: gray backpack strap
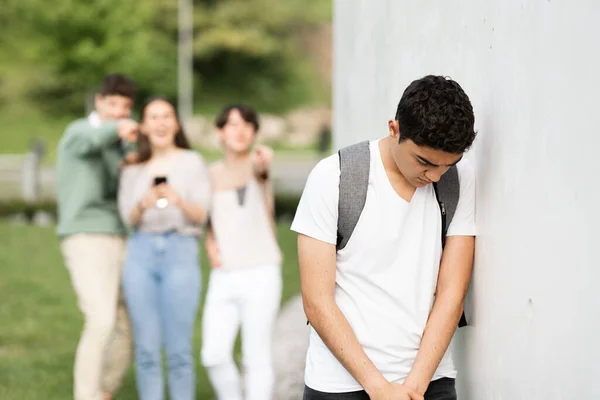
(355, 162)
(447, 192)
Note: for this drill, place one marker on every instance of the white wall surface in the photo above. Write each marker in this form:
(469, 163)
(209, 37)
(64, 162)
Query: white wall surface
(531, 69)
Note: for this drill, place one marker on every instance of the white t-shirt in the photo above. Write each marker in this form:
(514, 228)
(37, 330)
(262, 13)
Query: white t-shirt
(386, 275)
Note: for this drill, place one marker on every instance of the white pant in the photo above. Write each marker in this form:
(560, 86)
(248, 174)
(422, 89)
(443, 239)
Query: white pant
(250, 296)
(104, 352)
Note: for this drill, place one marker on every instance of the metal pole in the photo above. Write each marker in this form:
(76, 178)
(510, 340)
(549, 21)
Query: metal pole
(185, 71)
(30, 178)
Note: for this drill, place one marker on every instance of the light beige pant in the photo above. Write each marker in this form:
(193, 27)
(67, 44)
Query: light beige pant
(95, 262)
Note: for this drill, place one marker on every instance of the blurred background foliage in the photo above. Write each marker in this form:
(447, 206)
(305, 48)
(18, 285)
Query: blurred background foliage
(52, 53)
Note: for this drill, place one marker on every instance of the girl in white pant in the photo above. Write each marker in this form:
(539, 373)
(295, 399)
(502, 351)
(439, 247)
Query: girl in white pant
(245, 281)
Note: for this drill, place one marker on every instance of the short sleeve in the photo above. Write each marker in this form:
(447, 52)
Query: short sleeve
(200, 192)
(463, 222)
(127, 198)
(317, 211)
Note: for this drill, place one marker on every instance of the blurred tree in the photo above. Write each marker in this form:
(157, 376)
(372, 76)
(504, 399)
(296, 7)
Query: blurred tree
(51, 52)
(59, 48)
(251, 48)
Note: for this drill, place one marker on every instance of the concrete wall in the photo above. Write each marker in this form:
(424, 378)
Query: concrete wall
(531, 69)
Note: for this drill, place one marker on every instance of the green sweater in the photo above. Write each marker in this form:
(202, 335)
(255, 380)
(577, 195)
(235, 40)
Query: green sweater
(87, 179)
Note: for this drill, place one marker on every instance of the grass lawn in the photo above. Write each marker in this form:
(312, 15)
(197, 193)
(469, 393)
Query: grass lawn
(40, 323)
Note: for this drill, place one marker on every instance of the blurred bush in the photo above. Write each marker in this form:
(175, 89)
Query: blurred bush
(51, 52)
(17, 207)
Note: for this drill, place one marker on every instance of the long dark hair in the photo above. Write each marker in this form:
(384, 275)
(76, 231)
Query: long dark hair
(144, 148)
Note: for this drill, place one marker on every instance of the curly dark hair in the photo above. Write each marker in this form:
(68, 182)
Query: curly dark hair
(435, 112)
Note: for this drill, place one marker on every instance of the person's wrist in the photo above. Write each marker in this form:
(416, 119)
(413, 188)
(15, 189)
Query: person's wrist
(120, 128)
(413, 383)
(263, 175)
(375, 384)
(177, 201)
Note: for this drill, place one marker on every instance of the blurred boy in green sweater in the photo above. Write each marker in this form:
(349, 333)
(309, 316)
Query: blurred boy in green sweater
(93, 237)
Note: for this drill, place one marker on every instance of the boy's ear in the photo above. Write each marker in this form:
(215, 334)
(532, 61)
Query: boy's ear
(394, 129)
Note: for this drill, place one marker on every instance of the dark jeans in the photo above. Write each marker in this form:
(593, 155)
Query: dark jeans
(441, 389)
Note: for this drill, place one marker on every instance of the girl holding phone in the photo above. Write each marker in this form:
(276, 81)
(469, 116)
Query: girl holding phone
(165, 200)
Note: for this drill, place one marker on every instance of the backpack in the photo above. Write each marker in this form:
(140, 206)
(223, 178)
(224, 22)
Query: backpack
(355, 162)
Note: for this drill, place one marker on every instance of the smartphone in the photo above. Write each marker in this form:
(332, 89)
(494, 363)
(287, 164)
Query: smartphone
(160, 179)
(162, 202)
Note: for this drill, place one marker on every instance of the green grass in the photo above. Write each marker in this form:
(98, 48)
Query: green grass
(40, 323)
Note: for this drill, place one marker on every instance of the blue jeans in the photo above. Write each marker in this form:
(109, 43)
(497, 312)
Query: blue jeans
(161, 284)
